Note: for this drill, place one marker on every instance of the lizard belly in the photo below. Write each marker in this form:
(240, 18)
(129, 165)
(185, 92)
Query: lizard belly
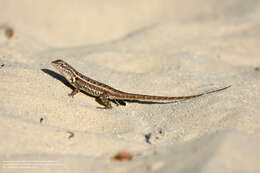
(88, 89)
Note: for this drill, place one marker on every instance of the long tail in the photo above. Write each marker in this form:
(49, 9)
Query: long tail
(129, 96)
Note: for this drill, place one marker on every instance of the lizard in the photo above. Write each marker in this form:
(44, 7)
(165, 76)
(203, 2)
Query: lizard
(106, 94)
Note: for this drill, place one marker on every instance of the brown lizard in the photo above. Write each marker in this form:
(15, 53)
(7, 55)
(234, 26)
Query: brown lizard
(104, 93)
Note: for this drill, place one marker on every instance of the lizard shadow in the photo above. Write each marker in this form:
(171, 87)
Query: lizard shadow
(62, 79)
(65, 82)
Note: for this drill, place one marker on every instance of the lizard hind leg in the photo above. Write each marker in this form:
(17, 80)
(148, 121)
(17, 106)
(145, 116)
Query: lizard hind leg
(119, 102)
(103, 100)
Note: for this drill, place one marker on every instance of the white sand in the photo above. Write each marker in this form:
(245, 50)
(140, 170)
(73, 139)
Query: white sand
(154, 47)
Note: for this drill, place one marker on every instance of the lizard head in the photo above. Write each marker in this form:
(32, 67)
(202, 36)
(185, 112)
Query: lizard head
(65, 69)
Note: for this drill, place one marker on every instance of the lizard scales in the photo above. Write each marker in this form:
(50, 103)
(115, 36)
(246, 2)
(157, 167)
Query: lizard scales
(104, 93)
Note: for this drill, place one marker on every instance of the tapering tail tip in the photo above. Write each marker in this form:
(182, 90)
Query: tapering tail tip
(219, 89)
(227, 87)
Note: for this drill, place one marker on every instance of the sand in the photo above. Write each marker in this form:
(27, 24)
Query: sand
(170, 48)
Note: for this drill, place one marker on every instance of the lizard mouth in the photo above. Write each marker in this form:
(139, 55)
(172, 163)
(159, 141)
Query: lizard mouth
(58, 65)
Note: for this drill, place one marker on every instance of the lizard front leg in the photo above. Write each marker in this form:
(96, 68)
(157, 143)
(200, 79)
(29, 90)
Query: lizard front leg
(74, 92)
